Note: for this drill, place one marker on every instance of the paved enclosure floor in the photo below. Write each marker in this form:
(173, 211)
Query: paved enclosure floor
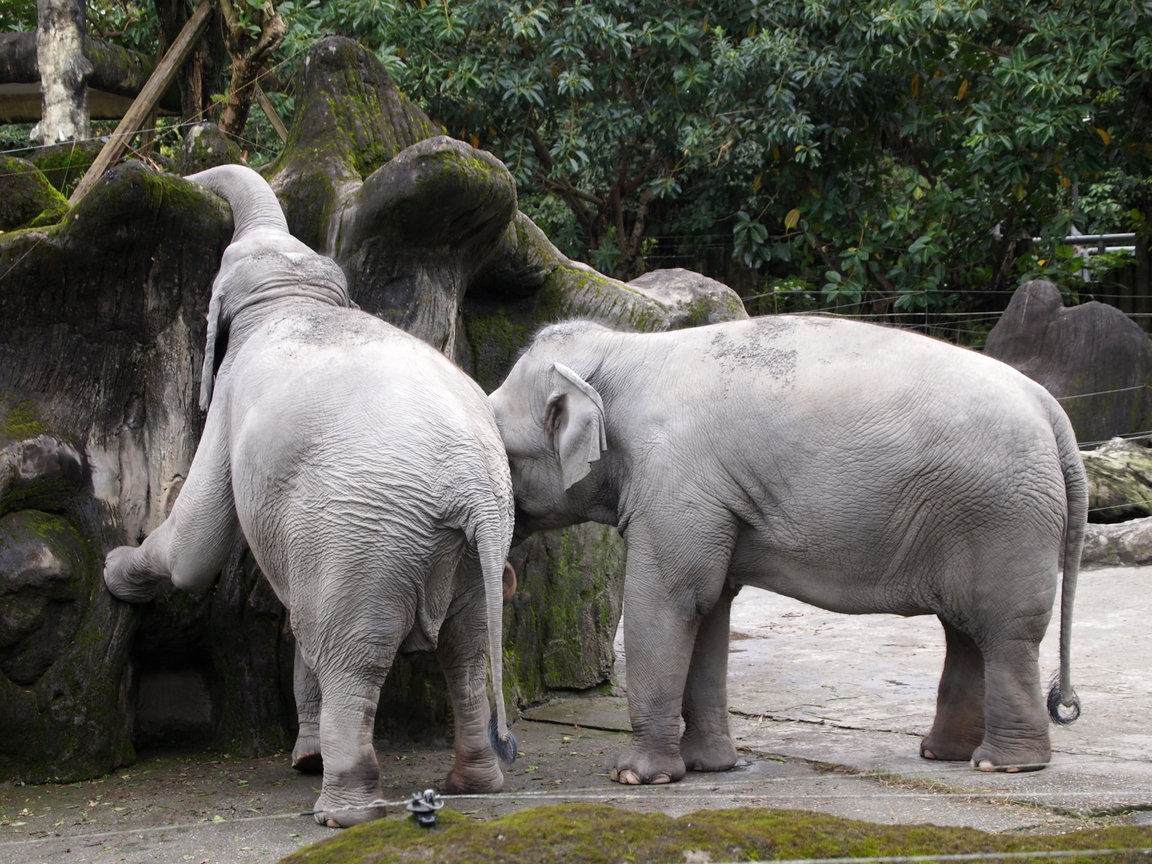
(827, 712)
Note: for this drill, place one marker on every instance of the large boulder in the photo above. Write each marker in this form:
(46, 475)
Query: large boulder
(63, 640)
(1092, 357)
(102, 328)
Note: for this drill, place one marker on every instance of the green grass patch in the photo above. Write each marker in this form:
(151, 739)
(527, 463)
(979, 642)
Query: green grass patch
(600, 834)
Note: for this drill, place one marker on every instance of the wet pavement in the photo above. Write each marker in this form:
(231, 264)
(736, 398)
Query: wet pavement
(827, 711)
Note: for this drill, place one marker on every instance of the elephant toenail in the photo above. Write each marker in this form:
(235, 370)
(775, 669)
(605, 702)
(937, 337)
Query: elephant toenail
(332, 823)
(928, 754)
(1014, 769)
(662, 778)
(986, 765)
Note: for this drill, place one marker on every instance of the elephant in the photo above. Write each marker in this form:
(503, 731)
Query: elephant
(855, 467)
(367, 475)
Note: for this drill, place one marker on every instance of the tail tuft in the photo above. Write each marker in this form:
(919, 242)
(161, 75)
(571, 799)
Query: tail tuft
(507, 748)
(1056, 700)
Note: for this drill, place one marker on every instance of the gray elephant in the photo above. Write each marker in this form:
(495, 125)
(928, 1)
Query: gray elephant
(855, 467)
(367, 474)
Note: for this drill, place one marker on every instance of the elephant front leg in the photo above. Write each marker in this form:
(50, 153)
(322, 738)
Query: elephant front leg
(673, 580)
(306, 755)
(959, 725)
(461, 653)
(192, 545)
(707, 741)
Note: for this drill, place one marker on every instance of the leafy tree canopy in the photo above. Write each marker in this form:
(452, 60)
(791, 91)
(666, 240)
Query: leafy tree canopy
(892, 151)
(888, 149)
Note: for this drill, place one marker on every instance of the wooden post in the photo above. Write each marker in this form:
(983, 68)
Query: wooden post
(163, 76)
(270, 113)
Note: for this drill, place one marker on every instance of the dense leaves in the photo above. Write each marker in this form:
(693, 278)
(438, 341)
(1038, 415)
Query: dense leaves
(896, 153)
(900, 152)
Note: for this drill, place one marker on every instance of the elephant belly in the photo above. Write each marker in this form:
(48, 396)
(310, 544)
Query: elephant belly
(844, 582)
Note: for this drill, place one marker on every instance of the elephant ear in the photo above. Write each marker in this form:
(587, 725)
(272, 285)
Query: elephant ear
(574, 420)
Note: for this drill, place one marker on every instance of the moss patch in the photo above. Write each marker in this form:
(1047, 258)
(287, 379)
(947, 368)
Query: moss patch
(18, 420)
(595, 833)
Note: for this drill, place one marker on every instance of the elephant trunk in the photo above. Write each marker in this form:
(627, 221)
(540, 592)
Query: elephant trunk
(254, 204)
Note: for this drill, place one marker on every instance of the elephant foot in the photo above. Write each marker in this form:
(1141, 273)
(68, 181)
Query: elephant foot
(707, 752)
(474, 778)
(990, 758)
(346, 817)
(306, 757)
(121, 582)
(308, 763)
(635, 768)
(948, 748)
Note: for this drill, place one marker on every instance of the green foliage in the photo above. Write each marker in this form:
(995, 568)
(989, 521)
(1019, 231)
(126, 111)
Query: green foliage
(17, 15)
(869, 148)
(894, 153)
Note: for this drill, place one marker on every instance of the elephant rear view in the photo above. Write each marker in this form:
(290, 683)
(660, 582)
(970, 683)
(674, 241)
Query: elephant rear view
(859, 468)
(367, 475)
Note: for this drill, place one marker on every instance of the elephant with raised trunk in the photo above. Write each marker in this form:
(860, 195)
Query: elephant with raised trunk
(855, 467)
(367, 475)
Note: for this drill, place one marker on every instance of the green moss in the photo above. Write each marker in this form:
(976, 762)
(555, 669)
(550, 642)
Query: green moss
(599, 834)
(494, 342)
(64, 166)
(19, 420)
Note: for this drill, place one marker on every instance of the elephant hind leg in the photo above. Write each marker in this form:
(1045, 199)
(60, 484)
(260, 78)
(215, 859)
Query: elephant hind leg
(959, 725)
(463, 660)
(1016, 722)
(306, 755)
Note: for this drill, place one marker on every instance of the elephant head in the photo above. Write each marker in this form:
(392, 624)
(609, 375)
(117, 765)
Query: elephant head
(554, 429)
(262, 265)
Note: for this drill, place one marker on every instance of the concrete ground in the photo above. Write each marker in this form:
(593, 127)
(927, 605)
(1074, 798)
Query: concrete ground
(827, 711)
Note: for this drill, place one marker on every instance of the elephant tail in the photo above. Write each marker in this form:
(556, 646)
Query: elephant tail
(492, 548)
(1061, 693)
(254, 204)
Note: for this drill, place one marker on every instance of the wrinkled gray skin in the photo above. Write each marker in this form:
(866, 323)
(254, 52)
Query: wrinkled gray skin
(368, 477)
(858, 468)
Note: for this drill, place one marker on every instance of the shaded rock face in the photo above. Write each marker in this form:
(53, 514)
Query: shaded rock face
(1092, 357)
(102, 328)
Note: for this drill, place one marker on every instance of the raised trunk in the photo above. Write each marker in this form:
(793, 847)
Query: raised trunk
(254, 205)
(64, 71)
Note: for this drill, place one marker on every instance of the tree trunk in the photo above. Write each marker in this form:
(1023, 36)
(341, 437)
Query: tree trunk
(249, 58)
(64, 71)
(115, 69)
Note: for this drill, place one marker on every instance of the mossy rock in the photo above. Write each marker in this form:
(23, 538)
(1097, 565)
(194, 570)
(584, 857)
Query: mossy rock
(350, 119)
(64, 704)
(65, 164)
(561, 624)
(205, 146)
(599, 834)
(27, 199)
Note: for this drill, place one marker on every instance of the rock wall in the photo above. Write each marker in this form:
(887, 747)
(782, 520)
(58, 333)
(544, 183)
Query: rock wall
(101, 342)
